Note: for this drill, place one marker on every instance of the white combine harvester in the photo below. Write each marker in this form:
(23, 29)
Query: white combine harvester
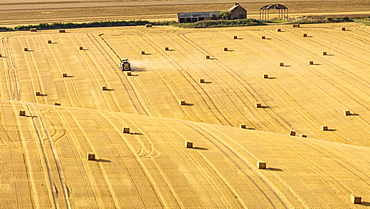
(125, 65)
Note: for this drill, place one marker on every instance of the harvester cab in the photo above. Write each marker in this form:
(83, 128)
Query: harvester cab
(125, 65)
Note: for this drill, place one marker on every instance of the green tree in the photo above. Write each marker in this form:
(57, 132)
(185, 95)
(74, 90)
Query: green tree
(225, 15)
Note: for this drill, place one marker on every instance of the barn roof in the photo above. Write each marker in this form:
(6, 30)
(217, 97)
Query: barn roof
(274, 6)
(236, 5)
(198, 14)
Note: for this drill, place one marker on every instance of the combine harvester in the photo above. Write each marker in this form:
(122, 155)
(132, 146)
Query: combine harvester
(125, 65)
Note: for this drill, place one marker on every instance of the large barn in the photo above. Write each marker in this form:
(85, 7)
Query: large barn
(237, 12)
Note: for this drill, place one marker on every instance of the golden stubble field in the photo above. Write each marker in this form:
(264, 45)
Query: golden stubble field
(43, 154)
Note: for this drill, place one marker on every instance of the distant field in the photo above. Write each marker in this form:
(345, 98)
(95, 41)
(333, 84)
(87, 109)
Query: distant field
(34, 12)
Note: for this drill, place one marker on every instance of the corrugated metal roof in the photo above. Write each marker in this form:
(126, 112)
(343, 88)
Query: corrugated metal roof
(274, 6)
(198, 14)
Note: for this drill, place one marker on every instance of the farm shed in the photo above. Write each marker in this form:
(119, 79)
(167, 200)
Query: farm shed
(237, 12)
(281, 10)
(197, 16)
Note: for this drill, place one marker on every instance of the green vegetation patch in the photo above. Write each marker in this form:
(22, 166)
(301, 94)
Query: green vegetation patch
(313, 20)
(45, 26)
(364, 21)
(200, 24)
(220, 23)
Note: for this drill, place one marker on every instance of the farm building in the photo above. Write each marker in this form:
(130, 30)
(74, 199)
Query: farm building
(237, 12)
(282, 11)
(197, 16)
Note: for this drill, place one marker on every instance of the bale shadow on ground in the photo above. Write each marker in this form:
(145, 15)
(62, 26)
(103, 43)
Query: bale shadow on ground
(102, 160)
(199, 148)
(365, 203)
(139, 134)
(274, 169)
(31, 116)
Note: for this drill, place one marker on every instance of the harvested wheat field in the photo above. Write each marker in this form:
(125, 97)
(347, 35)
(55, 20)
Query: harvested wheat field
(280, 122)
